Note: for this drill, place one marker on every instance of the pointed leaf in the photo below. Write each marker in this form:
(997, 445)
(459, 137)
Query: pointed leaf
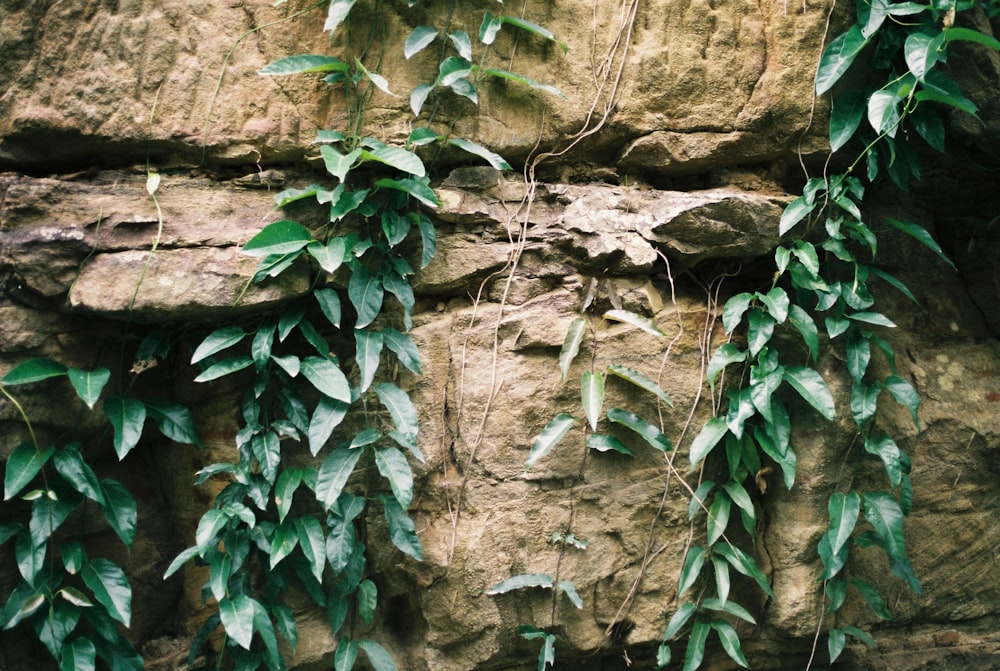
(553, 432)
(89, 384)
(329, 302)
(837, 58)
(127, 416)
(640, 380)
(403, 414)
(592, 395)
(33, 370)
(709, 436)
(604, 443)
(403, 347)
(393, 466)
(521, 581)
(418, 188)
(402, 531)
(419, 37)
(693, 562)
(237, 618)
(378, 657)
(811, 387)
(644, 429)
(398, 158)
(293, 65)
(333, 475)
(328, 415)
(694, 654)
(23, 465)
(110, 587)
(904, 394)
(327, 377)
(365, 291)
(571, 345)
(844, 510)
(225, 367)
(78, 473)
(313, 544)
(368, 346)
(627, 317)
(278, 238)
(335, 15)
(173, 420)
(120, 510)
(495, 160)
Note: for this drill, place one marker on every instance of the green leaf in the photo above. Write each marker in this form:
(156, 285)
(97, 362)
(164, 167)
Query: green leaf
(694, 654)
(718, 517)
(905, 395)
(726, 354)
(48, 512)
(644, 429)
(33, 370)
(922, 52)
(730, 641)
(522, 581)
(78, 655)
(709, 436)
(365, 291)
(567, 588)
(848, 110)
(265, 630)
(380, 82)
(179, 561)
(220, 569)
(174, 421)
(571, 345)
(403, 347)
(811, 387)
(418, 188)
(330, 256)
(368, 346)
(17, 610)
(217, 341)
(10, 529)
(886, 449)
(225, 367)
(335, 15)
(844, 510)
(292, 195)
(883, 113)
(23, 465)
(110, 587)
(495, 160)
(760, 328)
(604, 443)
(592, 396)
(333, 475)
(627, 317)
(328, 415)
(89, 384)
(920, 234)
(393, 466)
(837, 58)
(418, 39)
(284, 490)
(524, 81)
(776, 301)
(730, 608)
(329, 302)
(794, 212)
(744, 564)
(377, 655)
(884, 514)
(864, 401)
(553, 432)
(312, 543)
(398, 158)
(120, 510)
(293, 65)
(873, 318)
(694, 560)
(872, 598)
(284, 541)
(345, 655)
(489, 28)
(278, 238)
(402, 531)
(237, 618)
(30, 557)
(127, 416)
(678, 620)
(418, 96)
(858, 352)
(367, 600)
(403, 414)
(835, 643)
(639, 380)
(327, 377)
(80, 476)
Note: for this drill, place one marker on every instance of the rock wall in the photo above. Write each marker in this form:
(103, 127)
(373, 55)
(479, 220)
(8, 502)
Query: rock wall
(668, 209)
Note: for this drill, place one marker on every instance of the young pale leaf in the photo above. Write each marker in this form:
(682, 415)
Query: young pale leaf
(627, 317)
(521, 581)
(393, 466)
(327, 377)
(333, 475)
(110, 587)
(89, 384)
(811, 387)
(335, 15)
(837, 58)
(278, 238)
(553, 432)
(709, 436)
(494, 159)
(605, 443)
(23, 465)
(33, 370)
(571, 345)
(644, 429)
(293, 65)
(419, 37)
(592, 396)
(402, 531)
(640, 380)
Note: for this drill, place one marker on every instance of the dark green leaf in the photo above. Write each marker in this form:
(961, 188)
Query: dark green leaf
(173, 420)
(312, 543)
(496, 161)
(604, 443)
(367, 600)
(872, 598)
(693, 562)
(726, 354)
(56, 628)
(80, 476)
(709, 436)
(328, 415)
(402, 531)
(284, 541)
(873, 318)
(848, 110)
(127, 415)
(794, 212)
(237, 618)
(760, 329)
(403, 347)
(366, 292)
(776, 301)
(521, 581)
(345, 655)
(225, 367)
(33, 370)
(571, 345)
(30, 557)
(293, 65)
(844, 510)
(292, 195)
(428, 238)
(393, 466)
(553, 432)
(730, 641)
(904, 394)
(644, 429)
(884, 112)
(718, 516)
(730, 608)
(398, 158)
(278, 238)
(368, 346)
(23, 465)
(89, 384)
(333, 474)
(741, 408)
(78, 655)
(329, 303)
(403, 414)
(327, 377)
(744, 564)
(886, 449)
(835, 643)
(922, 52)
(920, 234)
(811, 387)
(418, 188)
(9, 529)
(110, 587)
(678, 620)
(639, 380)
(694, 654)
(120, 510)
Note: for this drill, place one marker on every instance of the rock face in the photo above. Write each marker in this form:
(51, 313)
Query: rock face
(669, 208)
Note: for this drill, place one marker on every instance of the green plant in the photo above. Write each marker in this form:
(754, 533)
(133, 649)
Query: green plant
(823, 279)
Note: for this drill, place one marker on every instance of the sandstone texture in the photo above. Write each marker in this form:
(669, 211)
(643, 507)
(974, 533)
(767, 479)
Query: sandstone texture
(666, 210)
